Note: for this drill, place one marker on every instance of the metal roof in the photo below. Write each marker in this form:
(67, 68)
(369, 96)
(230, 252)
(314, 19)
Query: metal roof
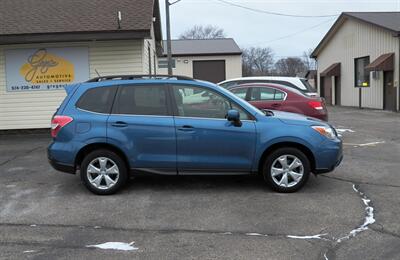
(386, 20)
(389, 21)
(79, 17)
(223, 46)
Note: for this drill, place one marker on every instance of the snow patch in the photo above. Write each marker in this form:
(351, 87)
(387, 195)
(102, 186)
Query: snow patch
(368, 220)
(366, 144)
(116, 246)
(344, 130)
(319, 236)
(226, 233)
(29, 251)
(255, 234)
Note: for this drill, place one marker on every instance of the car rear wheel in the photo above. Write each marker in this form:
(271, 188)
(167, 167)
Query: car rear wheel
(286, 169)
(103, 172)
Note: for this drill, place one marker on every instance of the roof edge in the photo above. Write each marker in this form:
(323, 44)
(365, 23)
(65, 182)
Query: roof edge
(73, 36)
(341, 18)
(204, 54)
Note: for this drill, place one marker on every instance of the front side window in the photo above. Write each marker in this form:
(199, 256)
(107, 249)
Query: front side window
(361, 74)
(198, 102)
(141, 100)
(97, 100)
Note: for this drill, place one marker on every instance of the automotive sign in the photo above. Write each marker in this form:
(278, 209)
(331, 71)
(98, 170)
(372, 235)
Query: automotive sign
(45, 68)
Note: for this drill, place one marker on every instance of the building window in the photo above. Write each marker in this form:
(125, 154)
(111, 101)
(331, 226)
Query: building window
(360, 73)
(163, 63)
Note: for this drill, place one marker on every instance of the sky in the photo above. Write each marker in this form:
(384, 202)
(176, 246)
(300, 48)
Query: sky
(287, 36)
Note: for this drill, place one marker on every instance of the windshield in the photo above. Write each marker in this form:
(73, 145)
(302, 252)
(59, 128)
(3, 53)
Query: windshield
(307, 85)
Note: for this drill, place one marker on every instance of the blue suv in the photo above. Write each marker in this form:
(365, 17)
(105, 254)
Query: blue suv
(110, 127)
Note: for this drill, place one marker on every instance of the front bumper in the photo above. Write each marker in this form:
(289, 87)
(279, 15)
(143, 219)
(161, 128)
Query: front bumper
(329, 157)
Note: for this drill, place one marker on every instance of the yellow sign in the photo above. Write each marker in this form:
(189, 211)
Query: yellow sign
(43, 67)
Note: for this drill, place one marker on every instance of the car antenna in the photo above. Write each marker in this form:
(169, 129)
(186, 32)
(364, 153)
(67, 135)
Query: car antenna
(98, 74)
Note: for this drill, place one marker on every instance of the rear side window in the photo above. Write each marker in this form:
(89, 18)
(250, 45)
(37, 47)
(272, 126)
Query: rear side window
(266, 94)
(97, 99)
(141, 100)
(240, 92)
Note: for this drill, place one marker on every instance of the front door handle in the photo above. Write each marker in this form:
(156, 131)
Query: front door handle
(119, 124)
(186, 128)
(276, 105)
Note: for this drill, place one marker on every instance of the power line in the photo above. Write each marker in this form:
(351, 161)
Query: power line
(296, 33)
(273, 13)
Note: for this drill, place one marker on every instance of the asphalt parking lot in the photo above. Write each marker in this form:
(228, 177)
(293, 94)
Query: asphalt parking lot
(351, 213)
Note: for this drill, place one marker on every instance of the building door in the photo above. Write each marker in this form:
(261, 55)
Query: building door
(389, 92)
(337, 91)
(210, 70)
(327, 90)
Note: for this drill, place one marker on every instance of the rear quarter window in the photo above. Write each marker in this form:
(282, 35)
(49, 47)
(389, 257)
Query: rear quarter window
(97, 100)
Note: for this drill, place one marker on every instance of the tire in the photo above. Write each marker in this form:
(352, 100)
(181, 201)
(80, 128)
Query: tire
(296, 174)
(102, 163)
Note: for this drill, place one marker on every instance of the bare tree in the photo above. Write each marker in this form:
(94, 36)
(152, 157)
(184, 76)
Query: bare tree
(203, 32)
(257, 61)
(290, 66)
(309, 62)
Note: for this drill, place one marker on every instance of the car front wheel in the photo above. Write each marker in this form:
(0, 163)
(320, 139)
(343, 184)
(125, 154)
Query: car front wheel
(103, 172)
(286, 169)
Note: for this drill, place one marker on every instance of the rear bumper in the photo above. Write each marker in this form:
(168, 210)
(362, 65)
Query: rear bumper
(60, 166)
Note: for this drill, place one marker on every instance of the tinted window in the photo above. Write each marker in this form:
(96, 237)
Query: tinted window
(97, 99)
(199, 102)
(141, 100)
(308, 85)
(240, 92)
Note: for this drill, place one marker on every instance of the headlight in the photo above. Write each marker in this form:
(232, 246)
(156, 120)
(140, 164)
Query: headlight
(325, 131)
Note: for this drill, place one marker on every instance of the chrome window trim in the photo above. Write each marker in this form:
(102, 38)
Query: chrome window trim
(210, 118)
(187, 117)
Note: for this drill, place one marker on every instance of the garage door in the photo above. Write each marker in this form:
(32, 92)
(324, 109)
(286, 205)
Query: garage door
(210, 70)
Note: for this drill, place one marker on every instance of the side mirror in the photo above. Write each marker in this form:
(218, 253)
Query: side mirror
(234, 117)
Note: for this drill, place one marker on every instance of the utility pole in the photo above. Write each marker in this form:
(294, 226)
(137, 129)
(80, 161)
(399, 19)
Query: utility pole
(169, 53)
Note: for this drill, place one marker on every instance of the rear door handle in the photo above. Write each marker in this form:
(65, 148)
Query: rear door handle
(186, 128)
(276, 105)
(119, 124)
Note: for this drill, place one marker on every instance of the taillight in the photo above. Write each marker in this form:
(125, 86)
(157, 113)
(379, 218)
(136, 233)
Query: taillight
(316, 105)
(58, 122)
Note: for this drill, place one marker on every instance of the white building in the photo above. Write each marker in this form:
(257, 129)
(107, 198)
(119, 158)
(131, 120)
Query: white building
(213, 59)
(45, 45)
(358, 61)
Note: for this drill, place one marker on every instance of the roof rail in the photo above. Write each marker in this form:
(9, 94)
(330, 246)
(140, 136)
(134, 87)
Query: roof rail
(139, 77)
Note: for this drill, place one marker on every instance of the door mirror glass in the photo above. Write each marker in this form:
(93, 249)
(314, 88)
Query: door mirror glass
(234, 117)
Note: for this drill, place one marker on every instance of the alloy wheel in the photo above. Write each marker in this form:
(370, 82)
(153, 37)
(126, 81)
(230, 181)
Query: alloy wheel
(102, 173)
(287, 171)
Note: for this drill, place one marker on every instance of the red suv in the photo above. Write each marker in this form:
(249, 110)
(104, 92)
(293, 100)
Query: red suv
(280, 97)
